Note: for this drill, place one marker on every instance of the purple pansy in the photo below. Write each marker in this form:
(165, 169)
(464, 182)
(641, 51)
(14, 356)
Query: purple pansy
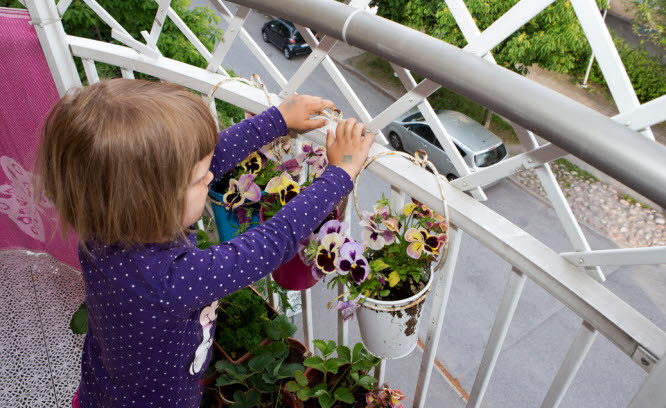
(351, 260)
(333, 226)
(327, 253)
(291, 166)
(374, 237)
(347, 308)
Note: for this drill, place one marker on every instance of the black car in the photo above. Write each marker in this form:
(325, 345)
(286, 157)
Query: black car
(284, 35)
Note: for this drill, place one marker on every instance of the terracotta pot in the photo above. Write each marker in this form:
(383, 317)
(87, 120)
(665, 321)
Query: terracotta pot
(246, 356)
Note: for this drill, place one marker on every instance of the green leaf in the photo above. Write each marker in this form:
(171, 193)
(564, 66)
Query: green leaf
(326, 348)
(378, 265)
(301, 379)
(384, 293)
(332, 364)
(79, 322)
(277, 350)
(354, 376)
(264, 383)
(292, 386)
(367, 382)
(326, 400)
(344, 354)
(288, 370)
(245, 400)
(280, 328)
(261, 362)
(344, 394)
(303, 394)
(315, 362)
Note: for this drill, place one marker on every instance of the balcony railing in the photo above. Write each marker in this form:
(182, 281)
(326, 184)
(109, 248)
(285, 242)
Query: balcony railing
(622, 147)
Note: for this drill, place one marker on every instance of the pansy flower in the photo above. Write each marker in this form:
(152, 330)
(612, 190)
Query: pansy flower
(347, 308)
(284, 186)
(241, 190)
(327, 253)
(291, 166)
(332, 226)
(421, 241)
(374, 237)
(392, 224)
(308, 150)
(252, 164)
(352, 261)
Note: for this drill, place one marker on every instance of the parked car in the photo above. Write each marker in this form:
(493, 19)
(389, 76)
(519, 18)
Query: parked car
(284, 35)
(478, 146)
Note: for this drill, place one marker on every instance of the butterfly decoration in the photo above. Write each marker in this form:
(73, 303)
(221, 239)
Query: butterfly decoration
(18, 201)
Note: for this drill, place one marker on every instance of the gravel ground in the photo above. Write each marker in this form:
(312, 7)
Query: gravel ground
(602, 208)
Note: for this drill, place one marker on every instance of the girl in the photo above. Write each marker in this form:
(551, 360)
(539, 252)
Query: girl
(127, 164)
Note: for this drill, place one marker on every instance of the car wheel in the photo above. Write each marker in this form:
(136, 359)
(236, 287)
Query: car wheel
(451, 177)
(264, 35)
(395, 141)
(287, 53)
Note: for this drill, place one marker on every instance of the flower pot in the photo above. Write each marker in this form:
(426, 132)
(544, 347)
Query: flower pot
(225, 220)
(294, 275)
(389, 329)
(271, 312)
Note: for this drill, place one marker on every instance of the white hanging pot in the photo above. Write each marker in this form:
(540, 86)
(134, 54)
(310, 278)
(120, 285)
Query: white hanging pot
(389, 328)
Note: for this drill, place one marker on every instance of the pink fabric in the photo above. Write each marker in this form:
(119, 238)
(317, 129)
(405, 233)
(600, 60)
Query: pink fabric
(75, 400)
(27, 93)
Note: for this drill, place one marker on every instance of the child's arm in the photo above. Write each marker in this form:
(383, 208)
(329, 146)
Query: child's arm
(238, 141)
(198, 277)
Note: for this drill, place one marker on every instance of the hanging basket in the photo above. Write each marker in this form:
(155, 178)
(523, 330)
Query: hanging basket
(389, 329)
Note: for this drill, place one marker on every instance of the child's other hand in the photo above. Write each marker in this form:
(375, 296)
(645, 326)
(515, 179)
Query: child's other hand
(346, 148)
(297, 110)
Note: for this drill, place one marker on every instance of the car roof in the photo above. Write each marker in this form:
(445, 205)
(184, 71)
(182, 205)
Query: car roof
(286, 22)
(463, 129)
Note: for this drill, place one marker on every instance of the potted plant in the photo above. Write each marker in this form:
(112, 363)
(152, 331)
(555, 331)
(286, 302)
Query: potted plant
(258, 187)
(242, 318)
(384, 398)
(259, 380)
(388, 275)
(340, 381)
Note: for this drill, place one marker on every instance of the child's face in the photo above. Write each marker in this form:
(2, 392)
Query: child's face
(195, 197)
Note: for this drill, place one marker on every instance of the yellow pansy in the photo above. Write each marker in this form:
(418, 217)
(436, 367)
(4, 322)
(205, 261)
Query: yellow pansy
(408, 208)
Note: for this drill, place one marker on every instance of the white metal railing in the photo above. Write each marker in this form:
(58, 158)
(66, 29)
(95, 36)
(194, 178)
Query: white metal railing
(560, 274)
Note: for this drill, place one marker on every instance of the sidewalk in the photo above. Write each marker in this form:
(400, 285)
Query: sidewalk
(602, 203)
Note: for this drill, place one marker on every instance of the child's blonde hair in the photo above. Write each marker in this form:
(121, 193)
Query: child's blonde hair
(116, 159)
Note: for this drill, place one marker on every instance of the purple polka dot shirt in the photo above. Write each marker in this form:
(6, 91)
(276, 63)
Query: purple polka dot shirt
(152, 309)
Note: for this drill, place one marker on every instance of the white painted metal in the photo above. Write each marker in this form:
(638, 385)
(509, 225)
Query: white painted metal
(512, 20)
(572, 361)
(647, 114)
(524, 161)
(652, 393)
(91, 71)
(512, 292)
(126, 73)
(273, 71)
(589, 65)
(53, 39)
(439, 130)
(308, 330)
(106, 17)
(160, 16)
(230, 35)
(623, 256)
(316, 57)
(134, 44)
(343, 326)
(409, 100)
(63, 5)
(607, 57)
(192, 38)
(466, 24)
(380, 372)
(436, 318)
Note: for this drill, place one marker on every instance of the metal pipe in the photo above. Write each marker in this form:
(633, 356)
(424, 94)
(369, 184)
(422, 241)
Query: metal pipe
(611, 147)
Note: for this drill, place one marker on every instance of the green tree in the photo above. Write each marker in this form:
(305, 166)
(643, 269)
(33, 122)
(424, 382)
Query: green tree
(553, 39)
(651, 21)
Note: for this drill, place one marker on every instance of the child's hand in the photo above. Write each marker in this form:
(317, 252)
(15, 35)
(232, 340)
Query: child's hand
(346, 148)
(297, 110)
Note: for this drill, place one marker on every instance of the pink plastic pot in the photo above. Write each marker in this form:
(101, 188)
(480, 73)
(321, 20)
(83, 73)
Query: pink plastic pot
(294, 275)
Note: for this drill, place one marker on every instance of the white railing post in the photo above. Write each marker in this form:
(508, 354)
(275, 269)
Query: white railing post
(514, 289)
(52, 37)
(441, 299)
(653, 391)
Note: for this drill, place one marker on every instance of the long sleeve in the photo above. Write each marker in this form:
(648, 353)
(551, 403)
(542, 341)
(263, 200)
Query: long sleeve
(238, 141)
(198, 277)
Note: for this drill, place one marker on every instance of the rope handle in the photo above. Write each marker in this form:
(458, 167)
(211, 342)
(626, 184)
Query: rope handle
(420, 158)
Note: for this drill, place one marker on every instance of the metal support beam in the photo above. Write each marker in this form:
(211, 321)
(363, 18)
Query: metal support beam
(622, 256)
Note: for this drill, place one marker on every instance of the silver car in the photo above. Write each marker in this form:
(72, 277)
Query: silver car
(478, 146)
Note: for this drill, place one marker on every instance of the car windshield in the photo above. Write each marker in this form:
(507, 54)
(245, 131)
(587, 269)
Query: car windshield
(490, 157)
(298, 37)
